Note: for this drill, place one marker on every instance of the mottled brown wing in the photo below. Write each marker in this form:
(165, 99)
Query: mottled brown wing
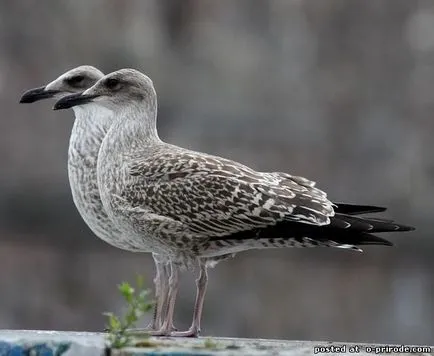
(215, 196)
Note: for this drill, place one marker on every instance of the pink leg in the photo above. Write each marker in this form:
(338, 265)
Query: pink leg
(159, 281)
(161, 290)
(201, 284)
(164, 297)
(167, 326)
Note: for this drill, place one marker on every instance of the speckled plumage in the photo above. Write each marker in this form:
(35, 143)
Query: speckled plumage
(200, 196)
(87, 134)
(194, 208)
(90, 126)
(188, 205)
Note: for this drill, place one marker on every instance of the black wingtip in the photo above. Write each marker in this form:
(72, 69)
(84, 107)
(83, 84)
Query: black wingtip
(365, 239)
(383, 242)
(371, 225)
(405, 228)
(353, 209)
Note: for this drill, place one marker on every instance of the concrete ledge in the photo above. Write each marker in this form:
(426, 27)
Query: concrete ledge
(58, 343)
(50, 343)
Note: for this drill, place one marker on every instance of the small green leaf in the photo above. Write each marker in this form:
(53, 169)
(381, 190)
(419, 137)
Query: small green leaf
(127, 291)
(114, 322)
(145, 307)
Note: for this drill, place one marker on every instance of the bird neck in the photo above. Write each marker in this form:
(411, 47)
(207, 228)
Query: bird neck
(136, 125)
(90, 126)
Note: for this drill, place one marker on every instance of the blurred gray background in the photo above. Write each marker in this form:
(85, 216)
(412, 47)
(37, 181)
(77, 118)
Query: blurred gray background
(340, 91)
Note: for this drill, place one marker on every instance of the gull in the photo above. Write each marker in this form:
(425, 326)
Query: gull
(196, 209)
(90, 127)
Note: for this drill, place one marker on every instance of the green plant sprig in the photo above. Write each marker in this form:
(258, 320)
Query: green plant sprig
(138, 304)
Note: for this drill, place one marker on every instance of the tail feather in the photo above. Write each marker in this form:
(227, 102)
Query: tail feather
(344, 231)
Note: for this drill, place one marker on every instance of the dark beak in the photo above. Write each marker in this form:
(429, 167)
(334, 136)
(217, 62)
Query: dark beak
(36, 94)
(73, 100)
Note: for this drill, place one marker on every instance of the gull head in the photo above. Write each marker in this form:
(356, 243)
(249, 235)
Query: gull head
(117, 91)
(75, 80)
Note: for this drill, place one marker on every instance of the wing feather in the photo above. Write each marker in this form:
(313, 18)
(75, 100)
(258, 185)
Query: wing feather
(214, 196)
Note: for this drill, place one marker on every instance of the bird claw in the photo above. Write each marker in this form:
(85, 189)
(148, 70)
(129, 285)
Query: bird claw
(163, 331)
(140, 331)
(192, 332)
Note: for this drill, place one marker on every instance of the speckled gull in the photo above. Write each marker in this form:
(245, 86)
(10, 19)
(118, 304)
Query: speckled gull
(89, 129)
(194, 208)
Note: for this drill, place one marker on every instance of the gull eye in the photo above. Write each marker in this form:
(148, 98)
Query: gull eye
(75, 80)
(112, 83)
